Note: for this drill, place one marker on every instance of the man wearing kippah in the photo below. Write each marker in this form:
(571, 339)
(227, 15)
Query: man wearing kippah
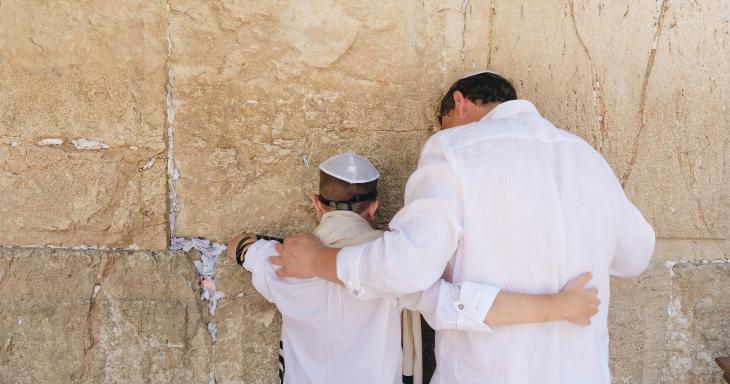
(329, 336)
(500, 197)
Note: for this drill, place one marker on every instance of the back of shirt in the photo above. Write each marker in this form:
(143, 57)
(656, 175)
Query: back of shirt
(328, 335)
(540, 206)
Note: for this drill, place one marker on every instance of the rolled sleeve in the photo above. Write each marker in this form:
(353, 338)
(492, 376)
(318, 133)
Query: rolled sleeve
(262, 272)
(472, 307)
(449, 306)
(348, 271)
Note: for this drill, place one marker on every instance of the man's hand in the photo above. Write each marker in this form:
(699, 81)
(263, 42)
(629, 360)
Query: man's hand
(303, 256)
(578, 304)
(233, 243)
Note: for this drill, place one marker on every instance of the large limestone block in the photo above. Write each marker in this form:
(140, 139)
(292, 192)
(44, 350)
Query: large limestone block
(264, 92)
(646, 83)
(249, 329)
(637, 321)
(101, 316)
(699, 322)
(82, 71)
(64, 197)
(683, 155)
(91, 70)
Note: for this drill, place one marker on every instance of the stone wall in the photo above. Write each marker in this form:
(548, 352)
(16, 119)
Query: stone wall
(125, 123)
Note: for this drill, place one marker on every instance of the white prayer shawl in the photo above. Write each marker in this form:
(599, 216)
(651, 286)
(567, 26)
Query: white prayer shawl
(514, 202)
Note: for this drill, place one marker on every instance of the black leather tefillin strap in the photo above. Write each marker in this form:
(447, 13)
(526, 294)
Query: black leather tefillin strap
(243, 246)
(347, 205)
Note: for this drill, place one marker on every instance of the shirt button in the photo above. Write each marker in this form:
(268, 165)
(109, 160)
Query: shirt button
(461, 306)
(356, 292)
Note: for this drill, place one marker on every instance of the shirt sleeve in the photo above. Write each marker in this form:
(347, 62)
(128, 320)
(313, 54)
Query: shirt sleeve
(635, 242)
(262, 272)
(423, 235)
(449, 306)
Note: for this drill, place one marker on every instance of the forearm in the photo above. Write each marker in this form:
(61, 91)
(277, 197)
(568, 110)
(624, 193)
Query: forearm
(327, 264)
(519, 308)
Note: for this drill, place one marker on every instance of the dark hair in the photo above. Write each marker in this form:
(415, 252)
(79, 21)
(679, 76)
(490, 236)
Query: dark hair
(481, 88)
(334, 189)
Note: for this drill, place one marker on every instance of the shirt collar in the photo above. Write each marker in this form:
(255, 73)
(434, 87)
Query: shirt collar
(336, 226)
(510, 108)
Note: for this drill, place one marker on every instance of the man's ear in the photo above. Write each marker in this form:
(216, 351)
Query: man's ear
(370, 212)
(319, 209)
(461, 105)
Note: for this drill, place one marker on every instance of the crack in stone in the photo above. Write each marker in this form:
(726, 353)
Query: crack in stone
(6, 270)
(92, 324)
(172, 171)
(598, 93)
(689, 178)
(642, 98)
(490, 37)
(465, 6)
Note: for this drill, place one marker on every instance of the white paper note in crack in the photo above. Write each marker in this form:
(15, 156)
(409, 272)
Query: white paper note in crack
(88, 144)
(205, 266)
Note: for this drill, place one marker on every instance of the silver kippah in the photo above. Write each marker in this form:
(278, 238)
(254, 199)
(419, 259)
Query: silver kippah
(350, 168)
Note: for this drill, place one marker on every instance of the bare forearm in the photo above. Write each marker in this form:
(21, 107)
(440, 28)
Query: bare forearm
(519, 308)
(327, 264)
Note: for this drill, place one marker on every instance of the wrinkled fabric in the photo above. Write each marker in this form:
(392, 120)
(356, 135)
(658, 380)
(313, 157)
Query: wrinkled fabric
(331, 336)
(509, 201)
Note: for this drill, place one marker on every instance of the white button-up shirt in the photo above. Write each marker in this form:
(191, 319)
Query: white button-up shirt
(513, 202)
(330, 336)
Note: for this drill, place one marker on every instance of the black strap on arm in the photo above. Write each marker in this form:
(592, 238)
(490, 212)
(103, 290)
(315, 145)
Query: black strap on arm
(246, 242)
(267, 237)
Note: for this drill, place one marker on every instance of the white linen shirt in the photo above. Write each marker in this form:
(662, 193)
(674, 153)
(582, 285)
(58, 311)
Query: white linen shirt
(514, 202)
(330, 336)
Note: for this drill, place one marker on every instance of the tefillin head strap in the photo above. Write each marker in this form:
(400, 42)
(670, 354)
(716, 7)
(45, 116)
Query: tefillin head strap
(347, 205)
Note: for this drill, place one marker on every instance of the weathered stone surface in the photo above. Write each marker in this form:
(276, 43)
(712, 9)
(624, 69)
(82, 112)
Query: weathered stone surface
(64, 197)
(699, 322)
(691, 249)
(637, 320)
(143, 323)
(669, 324)
(265, 92)
(647, 83)
(91, 70)
(82, 70)
(249, 328)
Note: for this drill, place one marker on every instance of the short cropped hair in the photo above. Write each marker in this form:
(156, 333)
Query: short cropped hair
(481, 88)
(332, 188)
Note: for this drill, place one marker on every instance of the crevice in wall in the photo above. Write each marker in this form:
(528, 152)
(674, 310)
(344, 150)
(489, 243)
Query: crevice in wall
(464, 9)
(599, 103)
(642, 98)
(209, 250)
(205, 266)
(92, 325)
(490, 37)
(672, 308)
(172, 172)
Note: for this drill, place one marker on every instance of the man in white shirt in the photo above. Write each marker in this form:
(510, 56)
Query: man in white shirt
(500, 197)
(330, 336)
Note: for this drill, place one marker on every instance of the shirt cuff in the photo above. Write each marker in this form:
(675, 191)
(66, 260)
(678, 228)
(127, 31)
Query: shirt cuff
(474, 303)
(257, 250)
(348, 271)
